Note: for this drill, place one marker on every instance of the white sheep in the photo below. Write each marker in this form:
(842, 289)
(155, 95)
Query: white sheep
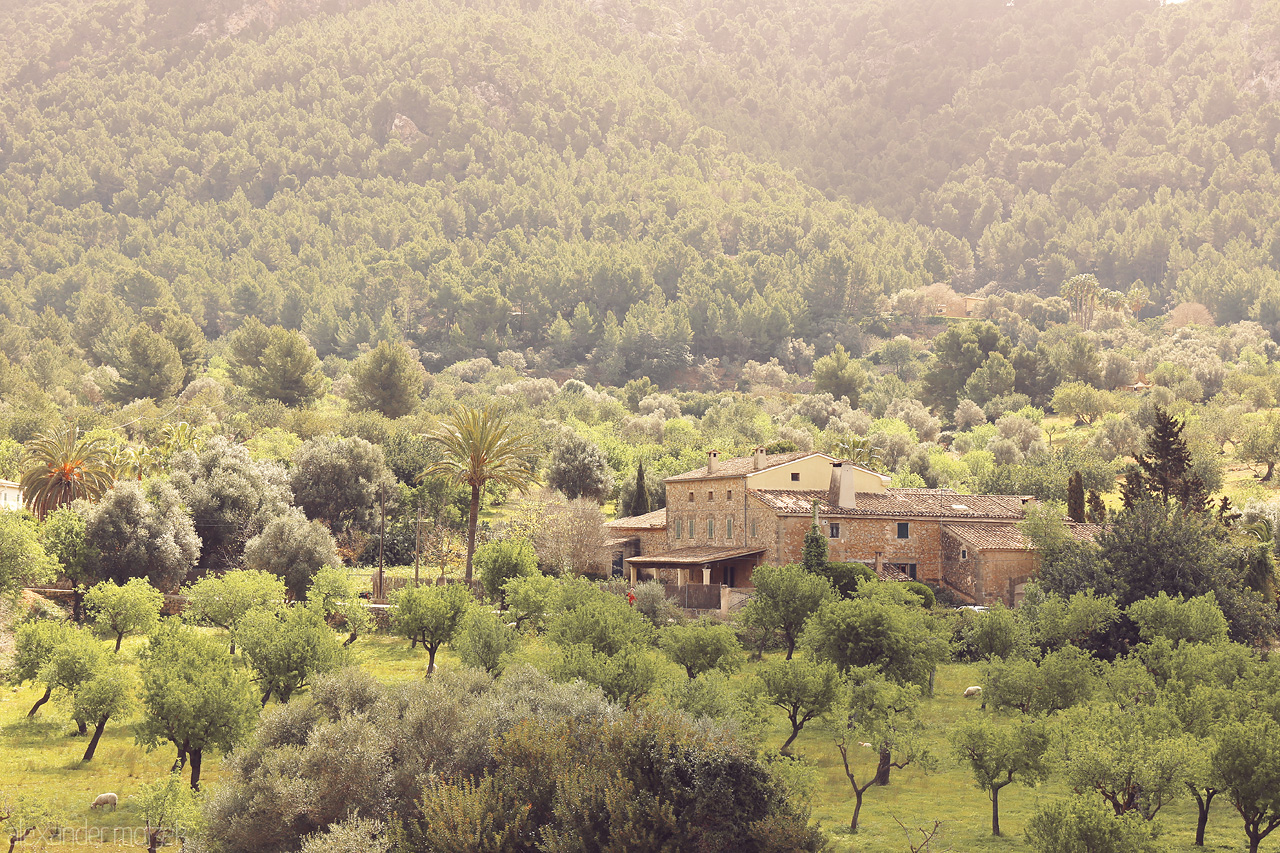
(106, 800)
(972, 691)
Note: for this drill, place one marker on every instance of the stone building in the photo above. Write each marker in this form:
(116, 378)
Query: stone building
(731, 515)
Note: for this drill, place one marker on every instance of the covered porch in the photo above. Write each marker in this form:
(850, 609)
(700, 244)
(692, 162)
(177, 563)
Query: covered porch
(705, 566)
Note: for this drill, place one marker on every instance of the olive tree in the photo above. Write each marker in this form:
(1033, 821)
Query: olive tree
(785, 598)
(293, 548)
(996, 753)
(702, 646)
(133, 608)
(222, 601)
(430, 615)
(193, 695)
(287, 647)
(142, 530)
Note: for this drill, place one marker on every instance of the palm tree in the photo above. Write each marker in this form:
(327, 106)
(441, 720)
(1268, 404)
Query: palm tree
(860, 451)
(481, 447)
(61, 467)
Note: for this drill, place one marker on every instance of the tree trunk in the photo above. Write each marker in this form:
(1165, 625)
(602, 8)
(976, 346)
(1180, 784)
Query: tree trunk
(82, 728)
(93, 743)
(791, 645)
(857, 807)
(431, 658)
(1202, 808)
(48, 691)
(1271, 466)
(995, 809)
(179, 762)
(265, 697)
(119, 638)
(882, 770)
(233, 646)
(350, 639)
(196, 755)
(473, 518)
(77, 605)
(795, 730)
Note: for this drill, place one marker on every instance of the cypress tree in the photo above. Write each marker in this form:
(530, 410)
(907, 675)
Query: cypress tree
(1097, 509)
(815, 547)
(1167, 459)
(1075, 497)
(640, 498)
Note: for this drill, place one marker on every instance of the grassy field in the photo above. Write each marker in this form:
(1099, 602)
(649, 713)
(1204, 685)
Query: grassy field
(42, 755)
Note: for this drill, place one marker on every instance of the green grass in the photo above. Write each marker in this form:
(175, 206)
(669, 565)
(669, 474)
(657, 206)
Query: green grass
(42, 755)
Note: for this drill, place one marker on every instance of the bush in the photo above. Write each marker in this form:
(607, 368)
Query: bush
(927, 600)
(486, 641)
(653, 604)
(499, 562)
(1083, 823)
(702, 646)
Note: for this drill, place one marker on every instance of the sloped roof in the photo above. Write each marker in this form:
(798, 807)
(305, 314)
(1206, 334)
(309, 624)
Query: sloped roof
(1085, 532)
(695, 556)
(649, 521)
(989, 537)
(1007, 537)
(740, 466)
(933, 503)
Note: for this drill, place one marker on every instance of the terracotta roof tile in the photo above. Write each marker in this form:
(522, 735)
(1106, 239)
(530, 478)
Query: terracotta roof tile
(739, 466)
(935, 503)
(649, 521)
(997, 537)
(695, 556)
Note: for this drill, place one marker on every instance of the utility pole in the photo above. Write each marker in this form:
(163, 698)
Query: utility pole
(417, 546)
(382, 535)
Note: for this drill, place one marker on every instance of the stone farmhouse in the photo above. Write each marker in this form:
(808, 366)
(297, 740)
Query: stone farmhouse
(724, 519)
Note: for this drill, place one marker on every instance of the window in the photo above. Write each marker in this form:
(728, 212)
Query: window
(710, 495)
(904, 530)
(964, 553)
(753, 528)
(911, 570)
(835, 530)
(728, 527)
(729, 495)
(711, 528)
(691, 497)
(679, 528)
(795, 477)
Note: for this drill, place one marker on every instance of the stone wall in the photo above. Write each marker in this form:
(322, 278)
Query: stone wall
(861, 538)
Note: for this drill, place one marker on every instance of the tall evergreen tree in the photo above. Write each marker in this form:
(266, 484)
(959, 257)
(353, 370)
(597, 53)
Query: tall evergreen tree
(815, 547)
(1166, 464)
(640, 497)
(1075, 497)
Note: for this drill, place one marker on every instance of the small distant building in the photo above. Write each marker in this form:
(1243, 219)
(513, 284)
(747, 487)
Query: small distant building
(724, 519)
(10, 495)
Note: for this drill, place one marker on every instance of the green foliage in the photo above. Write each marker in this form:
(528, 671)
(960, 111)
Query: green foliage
(388, 379)
(604, 623)
(804, 689)
(63, 535)
(61, 467)
(1064, 678)
(106, 693)
(293, 548)
(275, 363)
(23, 559)
(840, 376)
(653, 604)
(149, 366)
(1084, 823)
(702, 646)
(333, 596)
(498, 562)
(287, 648)
(903, 642)
(960, 350)
(141, 530)
(1194, 620)
(430, 615)
(1247, 760)
(133, 608)
(193, 695)
(996, 753)
(168, 807)
(342, 482)
(624, 677)
(1136, 757)
(814, 552)
(579, 469)
(223, 600)
(486, 641)
(785, 598)
(846, 577)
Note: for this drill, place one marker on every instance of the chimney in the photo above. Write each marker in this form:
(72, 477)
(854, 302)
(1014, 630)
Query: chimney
(758, 458)
(713, 462)
(842, 492)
